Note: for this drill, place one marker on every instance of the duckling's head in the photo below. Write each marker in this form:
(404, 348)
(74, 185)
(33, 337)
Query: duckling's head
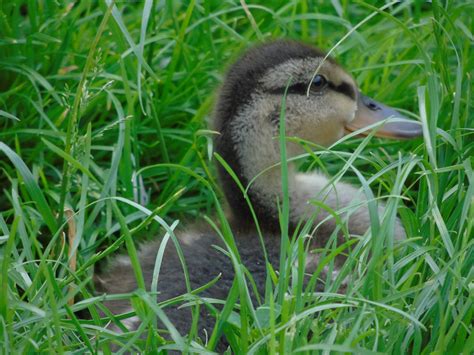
(322, 103)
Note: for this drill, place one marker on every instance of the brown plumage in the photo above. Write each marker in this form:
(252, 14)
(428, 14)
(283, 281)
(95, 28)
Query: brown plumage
(247, 117)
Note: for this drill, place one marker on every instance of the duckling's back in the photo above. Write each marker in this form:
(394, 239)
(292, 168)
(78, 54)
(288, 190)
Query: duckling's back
(205, 260)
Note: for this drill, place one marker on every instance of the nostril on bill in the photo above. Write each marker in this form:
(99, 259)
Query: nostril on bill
(373, 106)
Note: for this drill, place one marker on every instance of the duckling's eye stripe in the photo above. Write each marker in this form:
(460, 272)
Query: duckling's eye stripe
(300, 88)
(345, 89)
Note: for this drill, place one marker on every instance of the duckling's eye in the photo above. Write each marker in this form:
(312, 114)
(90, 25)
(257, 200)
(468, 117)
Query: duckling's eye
(319, 83)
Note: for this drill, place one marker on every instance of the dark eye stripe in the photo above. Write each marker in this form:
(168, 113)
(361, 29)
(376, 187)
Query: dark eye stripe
(344, 88)
(301, 89)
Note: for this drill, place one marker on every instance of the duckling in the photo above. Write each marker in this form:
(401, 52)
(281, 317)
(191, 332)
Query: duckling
(247, 116)
(323, 103)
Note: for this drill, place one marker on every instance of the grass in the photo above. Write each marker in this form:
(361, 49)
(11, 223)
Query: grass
(103, 114)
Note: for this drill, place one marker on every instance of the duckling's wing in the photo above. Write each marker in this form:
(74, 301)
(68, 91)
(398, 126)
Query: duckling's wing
(205, 261)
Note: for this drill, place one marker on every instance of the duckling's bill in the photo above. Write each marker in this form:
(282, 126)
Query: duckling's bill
(370, 112)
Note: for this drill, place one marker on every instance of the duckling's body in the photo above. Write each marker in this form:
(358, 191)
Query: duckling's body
(247, 117)
(204, 262)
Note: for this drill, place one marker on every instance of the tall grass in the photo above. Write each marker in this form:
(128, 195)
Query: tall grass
(103, 143)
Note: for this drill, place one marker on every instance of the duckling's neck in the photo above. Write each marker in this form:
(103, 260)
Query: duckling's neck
(254, 157)
(249, 144)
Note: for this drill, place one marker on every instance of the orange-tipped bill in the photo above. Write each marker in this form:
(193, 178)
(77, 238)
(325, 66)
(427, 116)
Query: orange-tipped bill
(370, 111)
